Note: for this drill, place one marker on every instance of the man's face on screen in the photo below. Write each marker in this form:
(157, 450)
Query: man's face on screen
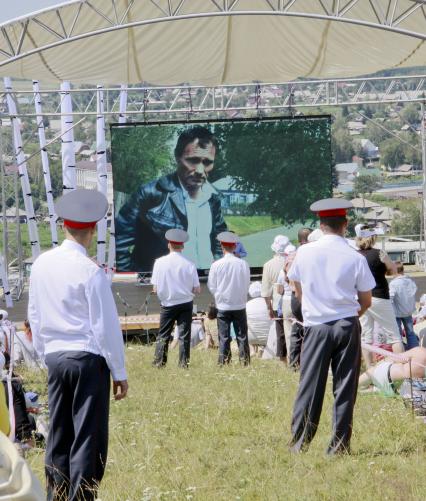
(195, 164)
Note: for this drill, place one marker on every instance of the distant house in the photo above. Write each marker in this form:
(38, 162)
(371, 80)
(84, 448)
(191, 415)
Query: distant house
(231, 195)
(79, 146)
(355, 128)
(87, 177)
(11, 215)
(346, 173)
(362, 206)
(383, 215)
(370, 149)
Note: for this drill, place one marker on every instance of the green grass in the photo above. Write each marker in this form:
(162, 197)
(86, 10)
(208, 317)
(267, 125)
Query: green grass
(246, 225)
(221, 434)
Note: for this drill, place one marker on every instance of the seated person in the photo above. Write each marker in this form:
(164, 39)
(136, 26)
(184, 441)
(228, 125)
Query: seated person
(24, 352)
(210, 328)
(23, 426)
(197, 334)
(258, 319)
(389, 374)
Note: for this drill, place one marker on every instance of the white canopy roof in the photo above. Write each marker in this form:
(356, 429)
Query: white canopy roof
(212, 42)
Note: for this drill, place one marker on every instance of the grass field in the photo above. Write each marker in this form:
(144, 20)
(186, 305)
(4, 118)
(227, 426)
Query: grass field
(246, 225)
(214, 433)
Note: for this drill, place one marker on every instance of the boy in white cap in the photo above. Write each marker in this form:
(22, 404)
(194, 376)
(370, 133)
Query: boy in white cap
(229, 282)
(175, 281)
(77, 332)
(271, 270)
(328, 276)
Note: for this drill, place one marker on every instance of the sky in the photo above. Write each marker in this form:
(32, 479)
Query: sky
(12, 9)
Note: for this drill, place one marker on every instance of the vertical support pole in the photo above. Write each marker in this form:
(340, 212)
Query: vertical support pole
(424, 180)
(101, 173)
(3, 256)
(23, 172)
(111, 249)
(69, 175)
(45, 164)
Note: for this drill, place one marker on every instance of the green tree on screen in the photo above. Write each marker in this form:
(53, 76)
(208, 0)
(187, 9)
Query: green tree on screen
(286, 163)
(140, 154)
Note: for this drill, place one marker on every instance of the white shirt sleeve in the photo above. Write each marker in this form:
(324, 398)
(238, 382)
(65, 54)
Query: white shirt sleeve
(34, 319)
(196, 279)
(392, 289)
(211, 281)
(364, 281)
(294, 271)
(105, 324)
(281, 278)
(247, 277)
(154, 274)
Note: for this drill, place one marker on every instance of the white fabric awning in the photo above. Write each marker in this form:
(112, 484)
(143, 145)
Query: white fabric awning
(213, 42)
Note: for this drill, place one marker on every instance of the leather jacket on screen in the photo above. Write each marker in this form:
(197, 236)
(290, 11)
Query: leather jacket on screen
(142, 222)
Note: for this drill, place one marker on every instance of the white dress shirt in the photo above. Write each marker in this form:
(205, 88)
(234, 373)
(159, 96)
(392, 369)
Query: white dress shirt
(71, 307)
(229, 282)
(331, 274)
(258, 321)
(174, 277)
(271, 270)
(199, 214)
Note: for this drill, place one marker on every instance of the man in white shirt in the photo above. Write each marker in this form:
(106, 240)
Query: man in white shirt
(175, 281)
(271, 270)
(76, 331)
(229, 282)
(334, 284)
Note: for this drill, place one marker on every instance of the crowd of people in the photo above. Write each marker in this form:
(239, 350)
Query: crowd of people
(318, 307)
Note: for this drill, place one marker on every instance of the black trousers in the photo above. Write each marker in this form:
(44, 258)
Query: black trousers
(238, 318)
(338, 343)
(182, 314)
(297, 332)
(77, 443)
(281, 344)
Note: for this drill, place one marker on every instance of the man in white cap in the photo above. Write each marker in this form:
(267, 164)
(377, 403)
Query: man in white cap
(77, 332)
(229, 282)
(271, 270)
(175, 281)
(334, 285)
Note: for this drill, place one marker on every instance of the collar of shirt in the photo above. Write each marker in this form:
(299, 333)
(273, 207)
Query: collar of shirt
(228, 255)
(206, 191)
(70, 244)
(332, 238)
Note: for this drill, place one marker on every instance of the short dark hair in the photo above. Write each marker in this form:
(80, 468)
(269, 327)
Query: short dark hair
(188, 136)
(335, 223)
(303, 234)
(399, 267)
(212, 311)
(27, 324)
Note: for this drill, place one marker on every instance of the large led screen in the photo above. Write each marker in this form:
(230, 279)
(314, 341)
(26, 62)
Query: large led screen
(254, 177)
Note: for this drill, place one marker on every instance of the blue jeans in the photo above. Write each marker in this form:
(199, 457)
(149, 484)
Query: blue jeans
(412, 339)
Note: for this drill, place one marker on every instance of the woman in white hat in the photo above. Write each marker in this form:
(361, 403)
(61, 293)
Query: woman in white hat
(381, 310)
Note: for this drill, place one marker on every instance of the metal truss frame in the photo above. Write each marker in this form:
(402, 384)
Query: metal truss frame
(389, 15)
(170, 102)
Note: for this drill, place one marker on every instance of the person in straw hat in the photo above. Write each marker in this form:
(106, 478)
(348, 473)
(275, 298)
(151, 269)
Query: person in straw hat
(77, 332)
